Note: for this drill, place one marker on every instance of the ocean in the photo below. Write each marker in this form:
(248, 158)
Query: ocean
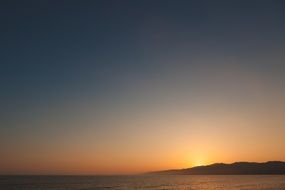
(179, 182)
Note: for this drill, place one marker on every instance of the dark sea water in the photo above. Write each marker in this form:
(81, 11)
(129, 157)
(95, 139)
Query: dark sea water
(202, 182)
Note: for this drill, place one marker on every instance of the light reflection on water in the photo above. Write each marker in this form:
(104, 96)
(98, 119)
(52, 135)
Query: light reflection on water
(180, 182)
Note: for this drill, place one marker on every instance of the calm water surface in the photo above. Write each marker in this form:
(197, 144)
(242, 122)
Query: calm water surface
(253, 182)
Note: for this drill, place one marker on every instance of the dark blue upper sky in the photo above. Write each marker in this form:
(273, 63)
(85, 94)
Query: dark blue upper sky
(50, 41)
(51, 49)
(45, 42)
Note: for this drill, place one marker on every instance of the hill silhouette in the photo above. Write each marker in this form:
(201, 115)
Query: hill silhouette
(237, 168)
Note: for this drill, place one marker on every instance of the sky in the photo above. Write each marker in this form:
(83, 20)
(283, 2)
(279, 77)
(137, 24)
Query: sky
(124, 87)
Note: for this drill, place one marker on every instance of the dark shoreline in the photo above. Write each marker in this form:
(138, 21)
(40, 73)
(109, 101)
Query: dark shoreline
(237, 168)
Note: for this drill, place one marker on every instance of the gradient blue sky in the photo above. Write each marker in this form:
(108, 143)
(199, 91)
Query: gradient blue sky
(160, 84)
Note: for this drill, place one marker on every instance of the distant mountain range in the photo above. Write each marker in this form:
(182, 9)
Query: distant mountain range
(237, 168)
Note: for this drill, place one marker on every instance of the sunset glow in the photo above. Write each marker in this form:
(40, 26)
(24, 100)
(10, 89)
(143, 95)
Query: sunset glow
(140, 86)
